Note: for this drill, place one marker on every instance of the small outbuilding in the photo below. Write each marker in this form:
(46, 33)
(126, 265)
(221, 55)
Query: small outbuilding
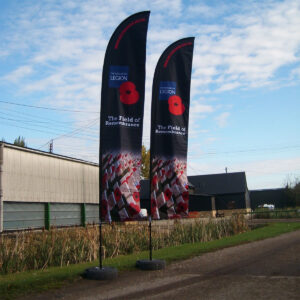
(228, 191)
(277, 197)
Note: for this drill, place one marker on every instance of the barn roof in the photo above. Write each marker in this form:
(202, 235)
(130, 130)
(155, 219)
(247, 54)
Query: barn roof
(217, 184)
(213, 184)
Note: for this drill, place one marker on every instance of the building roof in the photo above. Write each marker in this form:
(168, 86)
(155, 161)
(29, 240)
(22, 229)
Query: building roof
(40, 152)
(219, 184)
(214, 184)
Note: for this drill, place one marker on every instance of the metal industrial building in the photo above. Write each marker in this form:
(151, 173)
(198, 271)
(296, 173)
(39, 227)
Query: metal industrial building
(41, 189)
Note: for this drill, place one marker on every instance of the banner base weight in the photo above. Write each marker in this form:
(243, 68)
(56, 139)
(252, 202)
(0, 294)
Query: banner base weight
(151, 265)
(96, 273)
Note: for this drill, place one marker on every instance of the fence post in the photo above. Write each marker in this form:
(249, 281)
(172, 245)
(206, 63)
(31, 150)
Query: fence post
(213, 206)
(83, 214)
(47, 215)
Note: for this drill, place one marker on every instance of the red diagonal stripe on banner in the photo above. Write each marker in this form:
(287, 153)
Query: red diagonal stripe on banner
(174, 50)
(126, 28)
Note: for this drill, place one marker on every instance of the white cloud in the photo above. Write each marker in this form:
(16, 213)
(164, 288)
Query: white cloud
(244, 51)
(222, 119)
(18, 74)
(173, 8)
(255, 46)
(260, 174)
(210, 139)
(296, 73)
(201, 108)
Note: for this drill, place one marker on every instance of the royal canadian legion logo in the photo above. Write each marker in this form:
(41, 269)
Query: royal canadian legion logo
(166, 89)
(117, 75)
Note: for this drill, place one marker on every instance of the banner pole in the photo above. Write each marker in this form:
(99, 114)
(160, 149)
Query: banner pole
(100, 203)
(100, 244)
(150, 238)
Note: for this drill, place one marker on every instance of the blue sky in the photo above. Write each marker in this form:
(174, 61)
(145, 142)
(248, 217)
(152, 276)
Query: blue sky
(245, 81)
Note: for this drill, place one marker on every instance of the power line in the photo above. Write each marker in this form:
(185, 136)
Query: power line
(50, 108)
(72, 133)
(45, 131)
(92, 123)
(58, 130)
(25, 114)
(244, 151)
(194, 169)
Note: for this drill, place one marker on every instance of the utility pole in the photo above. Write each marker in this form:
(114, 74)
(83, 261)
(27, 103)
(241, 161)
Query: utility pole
(51, 146)
(226, 170)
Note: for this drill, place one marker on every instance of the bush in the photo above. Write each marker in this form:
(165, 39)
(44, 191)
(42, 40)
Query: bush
(59, 247)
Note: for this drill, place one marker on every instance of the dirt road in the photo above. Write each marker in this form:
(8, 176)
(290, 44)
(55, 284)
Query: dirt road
(268, 269)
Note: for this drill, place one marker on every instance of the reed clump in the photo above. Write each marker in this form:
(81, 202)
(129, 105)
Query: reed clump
(33, 250)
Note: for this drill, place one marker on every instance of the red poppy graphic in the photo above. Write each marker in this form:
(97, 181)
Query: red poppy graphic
(185, 196)
(133, 209)
(119, 168)
(128, 93)
(118, 194)
(168, 194)
(176, 106)
(103, 208)
(154, 181)
(181, 207)
(104, 179)
(169, 173)
(153, 206)
(136, 196)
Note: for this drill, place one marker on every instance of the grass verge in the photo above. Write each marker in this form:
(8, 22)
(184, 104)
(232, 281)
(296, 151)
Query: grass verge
(18, 284)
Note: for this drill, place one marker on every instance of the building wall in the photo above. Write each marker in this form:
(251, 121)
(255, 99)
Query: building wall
(31, 176)
(31, 215)
(200, 203)
(278, 197)
(230, 201)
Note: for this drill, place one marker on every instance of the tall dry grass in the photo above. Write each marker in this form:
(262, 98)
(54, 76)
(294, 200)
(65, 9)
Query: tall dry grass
(59, 247)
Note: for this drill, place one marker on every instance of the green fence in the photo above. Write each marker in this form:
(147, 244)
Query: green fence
(30, 215)
(274, 214)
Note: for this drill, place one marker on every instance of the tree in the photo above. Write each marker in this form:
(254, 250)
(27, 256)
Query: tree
(292, 188)
(20, 141)
(145, 168)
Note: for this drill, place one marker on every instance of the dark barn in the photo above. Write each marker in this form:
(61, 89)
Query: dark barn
(277, 197)
(211, 193)
(229, 190)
